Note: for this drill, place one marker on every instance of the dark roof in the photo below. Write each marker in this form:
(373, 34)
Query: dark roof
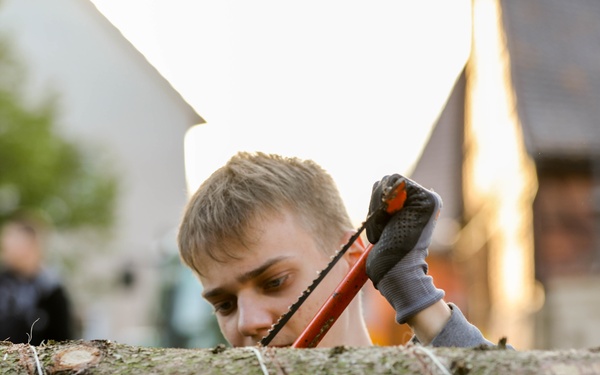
(554, 47)
(440, 165)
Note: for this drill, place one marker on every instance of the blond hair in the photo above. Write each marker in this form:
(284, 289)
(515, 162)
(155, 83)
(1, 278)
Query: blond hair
(250, 187)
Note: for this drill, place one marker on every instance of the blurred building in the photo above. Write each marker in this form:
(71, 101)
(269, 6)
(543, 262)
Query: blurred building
(113, 102)
(516, 156)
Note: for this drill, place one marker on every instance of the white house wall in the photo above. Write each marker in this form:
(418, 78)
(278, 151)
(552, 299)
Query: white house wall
(111, 97)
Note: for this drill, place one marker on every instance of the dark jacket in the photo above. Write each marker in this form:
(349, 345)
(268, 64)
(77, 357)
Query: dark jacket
(33, 309)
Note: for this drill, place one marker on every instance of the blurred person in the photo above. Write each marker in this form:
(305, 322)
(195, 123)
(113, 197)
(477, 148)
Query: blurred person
(34, 305)
(259, 229)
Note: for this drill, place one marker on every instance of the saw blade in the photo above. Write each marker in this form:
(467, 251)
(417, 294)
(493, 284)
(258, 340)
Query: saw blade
(390, 195)
(283, 319)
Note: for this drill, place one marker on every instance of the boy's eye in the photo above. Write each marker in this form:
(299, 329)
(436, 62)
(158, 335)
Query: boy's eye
(224, 308)
(276, 283)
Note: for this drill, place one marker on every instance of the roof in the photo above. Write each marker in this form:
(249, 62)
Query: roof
(554, 49)
(63, 40)
(440, 165)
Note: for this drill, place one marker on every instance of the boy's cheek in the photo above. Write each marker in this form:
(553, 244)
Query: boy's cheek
(226, 329)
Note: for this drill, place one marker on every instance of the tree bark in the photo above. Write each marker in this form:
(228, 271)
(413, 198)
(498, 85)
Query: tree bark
(106, 357)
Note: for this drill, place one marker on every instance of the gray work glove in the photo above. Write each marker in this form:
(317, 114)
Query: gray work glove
(396, 264)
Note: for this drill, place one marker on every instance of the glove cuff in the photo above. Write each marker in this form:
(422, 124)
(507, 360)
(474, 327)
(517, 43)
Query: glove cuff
(408, 292)
(459, 332)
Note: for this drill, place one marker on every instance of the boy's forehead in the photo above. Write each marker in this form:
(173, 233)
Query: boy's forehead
(270, 237)
(227, 255)
(205, 262)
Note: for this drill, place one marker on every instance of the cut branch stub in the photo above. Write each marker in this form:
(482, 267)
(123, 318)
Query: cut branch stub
(76, 358)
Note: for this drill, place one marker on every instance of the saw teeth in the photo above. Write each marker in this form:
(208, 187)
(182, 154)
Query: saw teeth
(320, 276)
(296, 305)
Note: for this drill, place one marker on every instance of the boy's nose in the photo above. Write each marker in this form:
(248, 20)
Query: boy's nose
(254, 318)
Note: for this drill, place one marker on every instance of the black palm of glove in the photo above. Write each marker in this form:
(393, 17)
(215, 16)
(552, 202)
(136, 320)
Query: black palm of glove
(396, 264)
(399, 233)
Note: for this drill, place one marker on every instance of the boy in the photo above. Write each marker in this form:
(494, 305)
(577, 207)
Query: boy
(260, 228)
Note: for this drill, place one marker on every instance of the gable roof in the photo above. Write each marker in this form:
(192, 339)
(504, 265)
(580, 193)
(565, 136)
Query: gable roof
(440, 165)
(72, 42)
(555, 64)
(554, 49)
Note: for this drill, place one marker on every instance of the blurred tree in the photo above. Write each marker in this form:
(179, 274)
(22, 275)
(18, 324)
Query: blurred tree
(42, 171)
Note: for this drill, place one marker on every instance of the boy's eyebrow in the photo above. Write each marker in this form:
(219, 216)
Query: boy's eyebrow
(249, 275)
(260, 269)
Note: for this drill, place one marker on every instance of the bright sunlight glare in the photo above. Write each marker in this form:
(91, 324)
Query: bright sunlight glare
(354, 85)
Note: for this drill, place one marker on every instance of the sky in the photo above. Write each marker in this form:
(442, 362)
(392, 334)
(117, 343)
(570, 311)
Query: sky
(354, 85)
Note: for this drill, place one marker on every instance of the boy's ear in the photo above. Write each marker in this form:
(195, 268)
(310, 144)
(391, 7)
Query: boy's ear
(355, 251)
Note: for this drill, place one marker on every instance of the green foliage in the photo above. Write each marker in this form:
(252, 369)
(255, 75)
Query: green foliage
(42, 171)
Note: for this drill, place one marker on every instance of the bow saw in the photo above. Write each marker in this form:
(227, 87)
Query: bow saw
(392, 201)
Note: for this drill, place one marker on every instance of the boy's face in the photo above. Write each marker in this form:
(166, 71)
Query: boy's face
(249, 293)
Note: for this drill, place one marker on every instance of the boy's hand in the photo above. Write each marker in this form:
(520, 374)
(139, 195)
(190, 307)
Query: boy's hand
(396, 264)
(381, 217)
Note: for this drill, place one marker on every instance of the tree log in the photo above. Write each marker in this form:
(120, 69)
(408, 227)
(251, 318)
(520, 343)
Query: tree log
(106, 357)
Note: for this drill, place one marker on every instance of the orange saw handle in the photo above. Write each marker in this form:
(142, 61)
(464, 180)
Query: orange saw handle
(335, 304)
(349, 287)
